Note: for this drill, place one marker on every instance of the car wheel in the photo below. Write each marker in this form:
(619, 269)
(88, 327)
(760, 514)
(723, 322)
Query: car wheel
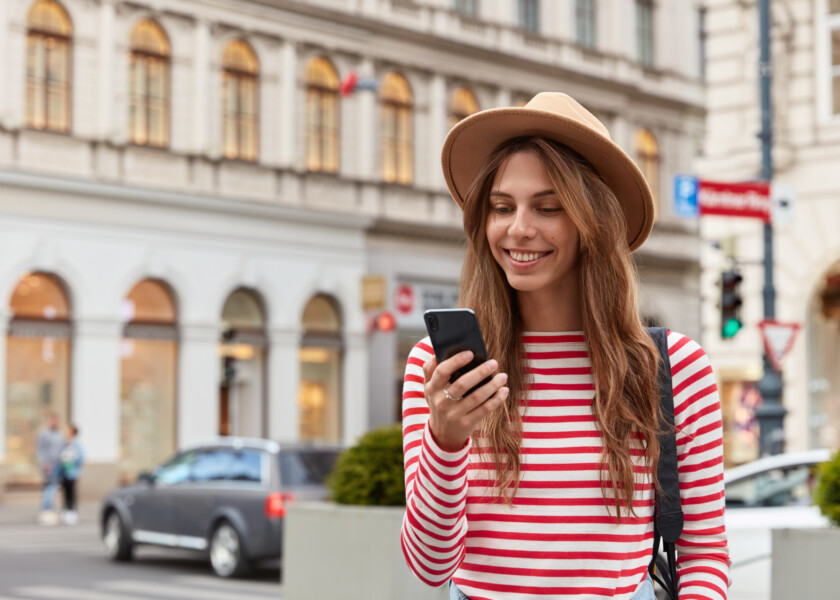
(226, 553)
(114, 536)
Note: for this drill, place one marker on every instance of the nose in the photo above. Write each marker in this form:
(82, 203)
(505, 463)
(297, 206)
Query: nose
(522, 225)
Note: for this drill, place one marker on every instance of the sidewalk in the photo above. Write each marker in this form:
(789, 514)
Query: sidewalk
(19, 507)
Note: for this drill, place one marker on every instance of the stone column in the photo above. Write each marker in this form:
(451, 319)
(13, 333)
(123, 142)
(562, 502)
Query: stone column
(368, 129)
(354, 402)
(283, 381)
(106, 69)
(288, 132)
(437, 129)
(95, 401)
(198, 383)
(201, 75)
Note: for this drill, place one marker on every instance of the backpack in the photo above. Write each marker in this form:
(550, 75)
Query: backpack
(668, 519)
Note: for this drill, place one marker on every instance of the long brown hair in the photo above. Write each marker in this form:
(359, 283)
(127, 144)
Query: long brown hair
(624, 359)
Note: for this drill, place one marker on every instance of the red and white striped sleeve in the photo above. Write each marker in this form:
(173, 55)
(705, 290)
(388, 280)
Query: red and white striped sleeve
(435, 524)
(703, 554)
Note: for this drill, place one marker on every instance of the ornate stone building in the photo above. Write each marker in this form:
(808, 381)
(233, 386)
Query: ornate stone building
(189, 203)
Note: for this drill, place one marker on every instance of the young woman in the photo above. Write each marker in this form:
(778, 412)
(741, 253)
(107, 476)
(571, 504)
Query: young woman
(540, 484)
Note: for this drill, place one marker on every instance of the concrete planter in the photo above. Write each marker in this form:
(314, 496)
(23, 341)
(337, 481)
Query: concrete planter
(348, 553)
(804, 563)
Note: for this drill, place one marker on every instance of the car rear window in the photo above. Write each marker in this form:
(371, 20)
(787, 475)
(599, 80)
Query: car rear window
(306, 467)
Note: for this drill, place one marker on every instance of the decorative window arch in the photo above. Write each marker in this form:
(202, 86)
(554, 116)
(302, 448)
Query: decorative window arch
(240, 113)
(461, 105)
(322, 119)
(647, 157)
(148, 377)
(397, 141)
(38, 359)
(149, 62)
(48, 73)
(321, 356)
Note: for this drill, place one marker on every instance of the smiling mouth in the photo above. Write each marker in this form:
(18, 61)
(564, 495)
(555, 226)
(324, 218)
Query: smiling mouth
(526, 257)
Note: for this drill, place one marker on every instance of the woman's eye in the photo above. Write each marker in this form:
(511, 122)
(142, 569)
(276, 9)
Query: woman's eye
(502, 209)
(550, 210)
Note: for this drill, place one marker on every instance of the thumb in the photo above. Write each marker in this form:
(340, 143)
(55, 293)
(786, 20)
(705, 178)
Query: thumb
(429, 367)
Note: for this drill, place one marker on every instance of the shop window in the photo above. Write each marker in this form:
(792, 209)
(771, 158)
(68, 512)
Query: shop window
(48, 83)
(461, 106)
(647, 157)
(240, 117)
(397, 130)
(243, 350)
(320, 393)
(148, 107)
(321, 116)
(148, 367)
(38, 348)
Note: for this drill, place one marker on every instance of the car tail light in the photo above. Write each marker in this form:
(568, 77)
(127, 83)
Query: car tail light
(275, 504)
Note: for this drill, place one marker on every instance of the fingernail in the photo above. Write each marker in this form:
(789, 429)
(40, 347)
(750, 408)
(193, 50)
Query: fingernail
(467, 355)
(493, 363)
(503, 377)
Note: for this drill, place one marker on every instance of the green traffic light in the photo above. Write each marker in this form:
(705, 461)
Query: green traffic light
(730, 328)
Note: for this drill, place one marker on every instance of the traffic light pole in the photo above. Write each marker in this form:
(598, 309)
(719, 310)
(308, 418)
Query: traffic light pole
(770, 413)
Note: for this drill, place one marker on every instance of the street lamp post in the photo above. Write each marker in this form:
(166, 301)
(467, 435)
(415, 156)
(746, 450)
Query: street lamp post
(771, 413)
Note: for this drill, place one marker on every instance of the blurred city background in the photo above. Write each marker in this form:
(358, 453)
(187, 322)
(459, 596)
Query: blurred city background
(225, 217)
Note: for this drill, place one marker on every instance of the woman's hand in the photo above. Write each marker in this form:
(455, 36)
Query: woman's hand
(454, 418)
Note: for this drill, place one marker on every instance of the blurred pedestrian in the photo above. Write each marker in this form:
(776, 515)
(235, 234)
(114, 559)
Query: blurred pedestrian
(48, 448)
(541, 482)
(71, 460)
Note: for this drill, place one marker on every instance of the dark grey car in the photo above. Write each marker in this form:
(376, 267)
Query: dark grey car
(225, 497)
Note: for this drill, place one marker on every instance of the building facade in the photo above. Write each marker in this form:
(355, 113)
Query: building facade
(206, 205)
(805, 42)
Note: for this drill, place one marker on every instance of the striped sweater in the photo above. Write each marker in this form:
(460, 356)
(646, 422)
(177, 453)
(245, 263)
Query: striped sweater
(559, 540)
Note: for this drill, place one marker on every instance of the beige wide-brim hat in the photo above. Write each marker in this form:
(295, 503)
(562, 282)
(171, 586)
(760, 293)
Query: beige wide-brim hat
(557, 117)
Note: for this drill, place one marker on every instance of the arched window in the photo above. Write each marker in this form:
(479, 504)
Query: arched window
(397, 130)
(647, 157)
(149, 96)
(38, 348)
(319, 395)
(321, 116)
(240, 120)
(243, 349)
(48, 39)
(461, 106)
(149, 367)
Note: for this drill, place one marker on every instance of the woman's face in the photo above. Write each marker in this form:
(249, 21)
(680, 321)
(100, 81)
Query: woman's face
(530, 234)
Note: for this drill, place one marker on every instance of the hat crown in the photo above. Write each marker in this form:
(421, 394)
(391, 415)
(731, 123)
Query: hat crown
(565, 106)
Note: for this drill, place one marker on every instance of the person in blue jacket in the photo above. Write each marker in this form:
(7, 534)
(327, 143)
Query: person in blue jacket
(70, 463)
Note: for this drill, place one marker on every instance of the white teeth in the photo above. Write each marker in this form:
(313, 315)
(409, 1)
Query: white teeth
(525, 257)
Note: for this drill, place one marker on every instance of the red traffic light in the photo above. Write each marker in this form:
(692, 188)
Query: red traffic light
(385, 321)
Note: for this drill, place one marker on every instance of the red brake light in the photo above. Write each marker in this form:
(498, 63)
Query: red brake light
(275, 504)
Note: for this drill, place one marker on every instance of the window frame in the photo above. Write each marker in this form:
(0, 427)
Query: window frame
(166, 59)
(466, 8)
(645, 33)
(396, 110)
(321, 93)
(586, 23)
(528, 15)
(43, 35)
(827, 26)
(239, 76)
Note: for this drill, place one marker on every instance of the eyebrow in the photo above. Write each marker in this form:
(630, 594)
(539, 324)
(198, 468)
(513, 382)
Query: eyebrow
(537, 195)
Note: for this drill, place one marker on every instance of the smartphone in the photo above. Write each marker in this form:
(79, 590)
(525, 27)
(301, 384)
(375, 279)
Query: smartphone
(454, 330)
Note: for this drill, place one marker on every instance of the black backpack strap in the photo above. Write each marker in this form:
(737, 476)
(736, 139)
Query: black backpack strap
(668, 520)
(669, 515)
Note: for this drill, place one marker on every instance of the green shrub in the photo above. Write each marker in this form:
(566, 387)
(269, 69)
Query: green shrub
(371, 472)
(827, 494)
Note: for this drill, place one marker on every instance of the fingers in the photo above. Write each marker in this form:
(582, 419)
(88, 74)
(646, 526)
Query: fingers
(485, 407)
(473, 378)
(443, 372)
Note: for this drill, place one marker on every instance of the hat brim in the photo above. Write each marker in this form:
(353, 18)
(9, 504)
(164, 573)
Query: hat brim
(471, 142)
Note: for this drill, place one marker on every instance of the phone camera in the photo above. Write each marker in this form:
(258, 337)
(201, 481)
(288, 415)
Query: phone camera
(433, 323)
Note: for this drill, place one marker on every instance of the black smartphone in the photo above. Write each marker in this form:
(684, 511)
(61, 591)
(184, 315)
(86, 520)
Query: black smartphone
(454, 330)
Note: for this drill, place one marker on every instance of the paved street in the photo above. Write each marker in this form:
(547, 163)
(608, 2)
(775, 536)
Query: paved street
(68, 563)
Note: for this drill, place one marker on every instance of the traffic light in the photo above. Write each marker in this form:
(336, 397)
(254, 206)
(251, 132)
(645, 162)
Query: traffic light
(730, 303)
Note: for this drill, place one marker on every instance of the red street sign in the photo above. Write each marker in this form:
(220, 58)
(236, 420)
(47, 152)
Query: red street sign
(750, 200)
(404, 299)
(778, 339)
